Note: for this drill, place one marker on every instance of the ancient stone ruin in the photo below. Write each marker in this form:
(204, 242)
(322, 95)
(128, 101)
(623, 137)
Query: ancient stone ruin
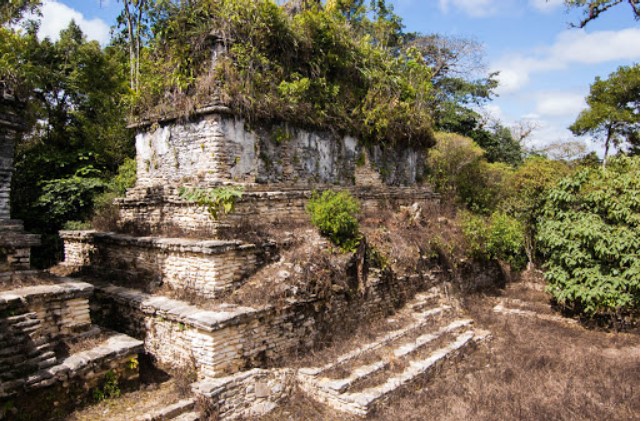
(15, 244)
(52, 357)
(170, 275)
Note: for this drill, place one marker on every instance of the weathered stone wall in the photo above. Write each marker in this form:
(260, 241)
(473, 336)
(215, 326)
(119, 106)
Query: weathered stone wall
(157, 210)
(79, 248)
(204, 268)
(217, 147)
(33, 319)
(247, 394)
(214, 342)
(233, 338)
(15, 245)
(55, 391)
(10, 126)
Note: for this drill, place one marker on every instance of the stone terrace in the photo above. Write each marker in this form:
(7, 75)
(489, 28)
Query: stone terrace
(230, 347)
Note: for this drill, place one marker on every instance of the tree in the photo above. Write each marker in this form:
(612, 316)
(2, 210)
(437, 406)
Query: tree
(461, 84)
(133, 16)
(76, 137)
(590, 235)
(594, 8)
(457, 69)
(11, 11)
(613, 116)
(525, 194)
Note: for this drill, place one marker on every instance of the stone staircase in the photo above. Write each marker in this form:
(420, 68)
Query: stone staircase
(357, 381)
(169, 292)
(182, 410)
(39, 319)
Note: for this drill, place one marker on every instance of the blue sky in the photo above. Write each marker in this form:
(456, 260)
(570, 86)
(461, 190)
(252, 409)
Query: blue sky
(545, 66)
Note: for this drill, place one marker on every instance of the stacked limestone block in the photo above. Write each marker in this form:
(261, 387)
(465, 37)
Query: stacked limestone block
(15, 244)
(227, 345)
(40, 316)
(160, 209)
(35, 324)
(206, 268)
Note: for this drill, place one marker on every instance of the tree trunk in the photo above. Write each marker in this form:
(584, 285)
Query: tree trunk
(132, 49)
(607, 144)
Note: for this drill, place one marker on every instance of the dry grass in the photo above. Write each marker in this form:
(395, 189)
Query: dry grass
(15, 281)
(533, 370)
(530, 370)
(84, 344)
(129, 405)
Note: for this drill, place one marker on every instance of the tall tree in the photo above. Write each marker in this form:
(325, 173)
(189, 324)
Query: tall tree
(133, 16)
(613, 116)
(594, 8)
(12, 11)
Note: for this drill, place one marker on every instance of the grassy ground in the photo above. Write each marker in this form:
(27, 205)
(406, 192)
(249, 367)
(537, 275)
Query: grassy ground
(531, 370)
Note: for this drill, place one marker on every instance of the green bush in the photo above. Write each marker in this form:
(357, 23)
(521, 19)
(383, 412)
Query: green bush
(323, 67)
(217, 200)
(457, 168)
(335, 214)
(590, 237)
(499, 236)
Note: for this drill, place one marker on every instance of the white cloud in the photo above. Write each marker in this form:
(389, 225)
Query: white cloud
(473, 8)
(571, 47)
(560, 104)
(56, 17)
(546, 5)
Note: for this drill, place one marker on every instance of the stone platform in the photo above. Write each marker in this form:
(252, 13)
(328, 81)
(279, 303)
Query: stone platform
(206, 268)
(161, 209)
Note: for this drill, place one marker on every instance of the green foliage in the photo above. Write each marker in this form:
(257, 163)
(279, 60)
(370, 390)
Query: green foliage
(12, 10)
(133, 363)
(340, 67)
(67, 198)
(613, 116)
(335, 215)
(590, 236)
(217, 200)
(499, 236)
(125, 177)
(457, 168)
(109, 388)
(72, 90)
(76, 225)
(525, 192)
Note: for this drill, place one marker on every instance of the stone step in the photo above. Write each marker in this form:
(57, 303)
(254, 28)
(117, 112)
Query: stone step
(423, 319)
(363, 401)
(75, 367)
(424, 300)
(402, 352)
(502, 309)
(170, 412)
(188, 416)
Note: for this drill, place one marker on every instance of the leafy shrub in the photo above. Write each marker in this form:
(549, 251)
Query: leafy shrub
(105, 211)
(217, 200)
(323, 67)
(335, 215)
(109, 388)
(69, 198)
(458, 169)
(590, 237)
(499, 236)
(77, 225)
(525, 192)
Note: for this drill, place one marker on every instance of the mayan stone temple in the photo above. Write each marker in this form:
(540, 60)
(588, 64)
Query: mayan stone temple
(225, 301)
